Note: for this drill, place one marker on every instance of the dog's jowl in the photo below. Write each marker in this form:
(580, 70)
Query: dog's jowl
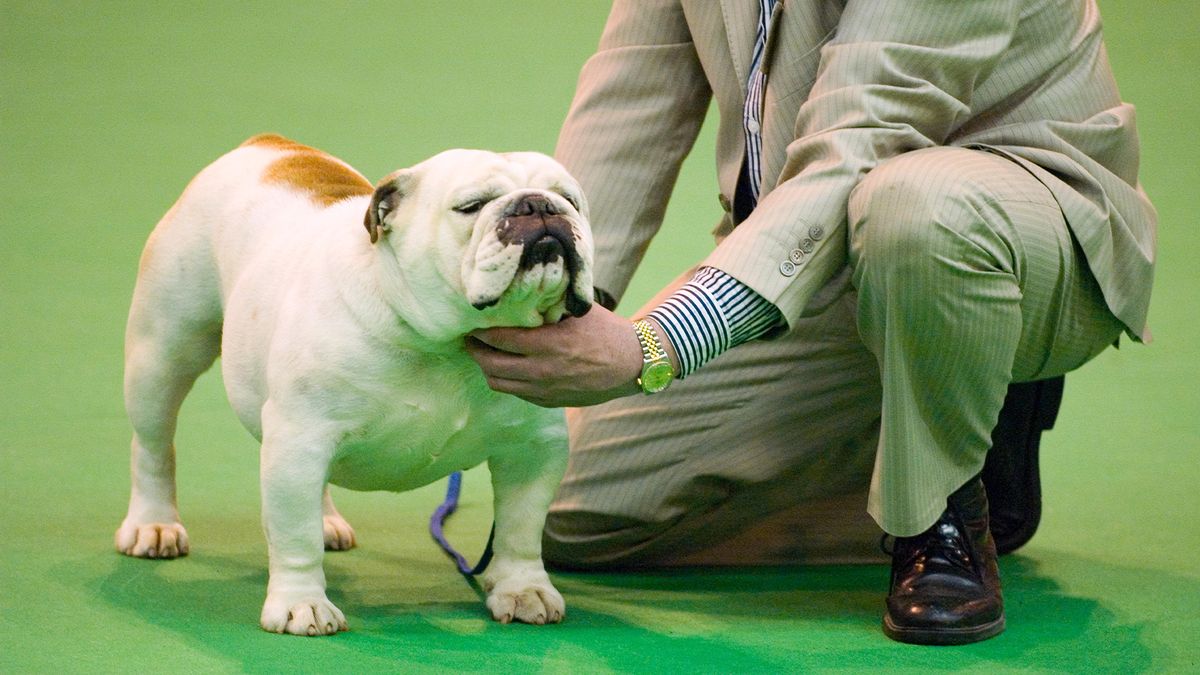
(339, 311)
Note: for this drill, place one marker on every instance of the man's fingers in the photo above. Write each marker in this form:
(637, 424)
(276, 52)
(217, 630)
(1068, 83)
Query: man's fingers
(493, 361)
(477, 347)
(511, 340)
(519, 388)
(540, 341)
(507, 365)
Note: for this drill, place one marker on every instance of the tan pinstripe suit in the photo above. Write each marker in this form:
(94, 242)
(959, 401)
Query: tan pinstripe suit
(851, 87)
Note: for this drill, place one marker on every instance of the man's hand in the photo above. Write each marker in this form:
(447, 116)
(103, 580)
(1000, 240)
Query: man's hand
(577, 362)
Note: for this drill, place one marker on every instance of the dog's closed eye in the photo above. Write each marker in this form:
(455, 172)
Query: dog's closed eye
(473, 206)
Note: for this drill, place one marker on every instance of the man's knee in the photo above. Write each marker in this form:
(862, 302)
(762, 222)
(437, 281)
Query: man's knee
(911, 207)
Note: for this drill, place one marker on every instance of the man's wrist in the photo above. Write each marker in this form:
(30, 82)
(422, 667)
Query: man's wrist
(658, 367)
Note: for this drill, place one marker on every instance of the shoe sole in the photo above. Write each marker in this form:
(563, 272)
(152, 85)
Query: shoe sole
(942, 636)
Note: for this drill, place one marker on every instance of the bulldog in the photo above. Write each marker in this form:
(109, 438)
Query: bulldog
(343, 349)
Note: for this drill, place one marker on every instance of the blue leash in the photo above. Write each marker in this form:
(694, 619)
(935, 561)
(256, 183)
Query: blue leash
(438, 520)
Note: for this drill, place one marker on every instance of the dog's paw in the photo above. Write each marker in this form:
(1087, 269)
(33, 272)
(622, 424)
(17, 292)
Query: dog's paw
(152, 540)
(339, 536)
(311, 617)
(525, 599)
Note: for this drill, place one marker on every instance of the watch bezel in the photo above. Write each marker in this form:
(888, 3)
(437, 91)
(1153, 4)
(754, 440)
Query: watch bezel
(656, 376)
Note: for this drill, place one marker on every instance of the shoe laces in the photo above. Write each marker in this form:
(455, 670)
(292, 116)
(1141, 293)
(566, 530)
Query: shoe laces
(944, 541)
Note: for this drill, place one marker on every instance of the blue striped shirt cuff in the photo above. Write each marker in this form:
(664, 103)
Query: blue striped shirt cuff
(710, 314)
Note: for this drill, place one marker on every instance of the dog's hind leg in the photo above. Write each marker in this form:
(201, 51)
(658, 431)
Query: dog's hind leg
(173, 336)
(339, 536)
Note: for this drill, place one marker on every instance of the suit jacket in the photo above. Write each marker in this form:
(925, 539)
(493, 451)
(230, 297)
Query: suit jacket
(850, 84)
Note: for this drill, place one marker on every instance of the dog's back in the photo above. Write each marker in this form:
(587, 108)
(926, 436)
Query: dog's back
(266, 183)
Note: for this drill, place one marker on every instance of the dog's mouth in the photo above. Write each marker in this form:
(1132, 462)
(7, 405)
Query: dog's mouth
(549, 271)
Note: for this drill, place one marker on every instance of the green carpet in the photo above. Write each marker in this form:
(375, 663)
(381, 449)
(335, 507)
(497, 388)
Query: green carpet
(107, 108)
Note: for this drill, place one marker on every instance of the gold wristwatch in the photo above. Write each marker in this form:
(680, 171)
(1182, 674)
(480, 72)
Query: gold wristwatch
(657, 371)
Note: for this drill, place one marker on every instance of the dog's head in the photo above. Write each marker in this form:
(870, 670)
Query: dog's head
(504, 238)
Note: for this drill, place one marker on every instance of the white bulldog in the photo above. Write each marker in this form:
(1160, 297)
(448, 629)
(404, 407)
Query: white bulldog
(343, 349)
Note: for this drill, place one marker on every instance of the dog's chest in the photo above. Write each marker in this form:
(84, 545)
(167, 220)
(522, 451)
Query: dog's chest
(423, 432)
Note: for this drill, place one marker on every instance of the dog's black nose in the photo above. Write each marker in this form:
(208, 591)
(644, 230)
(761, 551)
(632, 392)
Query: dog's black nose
(533, 204)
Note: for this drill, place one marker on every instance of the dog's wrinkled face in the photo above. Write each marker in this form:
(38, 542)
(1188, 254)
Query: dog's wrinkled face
(503, 239)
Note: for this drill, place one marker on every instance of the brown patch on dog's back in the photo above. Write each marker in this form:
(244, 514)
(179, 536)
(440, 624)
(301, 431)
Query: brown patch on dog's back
(324, 179)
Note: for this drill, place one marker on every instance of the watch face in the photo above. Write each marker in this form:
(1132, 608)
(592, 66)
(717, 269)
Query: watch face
(657, 376)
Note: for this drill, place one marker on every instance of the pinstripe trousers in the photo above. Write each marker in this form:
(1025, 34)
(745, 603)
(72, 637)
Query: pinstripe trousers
(962, 277)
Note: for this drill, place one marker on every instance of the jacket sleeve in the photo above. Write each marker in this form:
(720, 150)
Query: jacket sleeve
(898, 76)
(638, 108)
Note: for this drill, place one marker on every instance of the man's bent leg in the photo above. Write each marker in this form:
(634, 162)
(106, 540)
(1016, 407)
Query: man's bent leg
(968, 280)
(761, 457)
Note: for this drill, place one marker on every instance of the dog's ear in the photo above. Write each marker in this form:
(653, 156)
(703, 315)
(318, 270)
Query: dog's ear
(388, 193)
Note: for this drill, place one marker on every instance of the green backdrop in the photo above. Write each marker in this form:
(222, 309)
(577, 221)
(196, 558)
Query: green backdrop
(107, 108)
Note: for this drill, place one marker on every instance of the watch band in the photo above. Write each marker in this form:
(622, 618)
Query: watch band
(657, 371)
(652, 349)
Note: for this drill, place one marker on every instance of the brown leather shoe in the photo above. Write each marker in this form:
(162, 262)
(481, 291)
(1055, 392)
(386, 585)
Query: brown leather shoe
(945, 587)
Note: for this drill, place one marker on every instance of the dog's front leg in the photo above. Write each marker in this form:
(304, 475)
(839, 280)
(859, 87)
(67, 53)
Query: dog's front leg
(516, 581)
(294, 467)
